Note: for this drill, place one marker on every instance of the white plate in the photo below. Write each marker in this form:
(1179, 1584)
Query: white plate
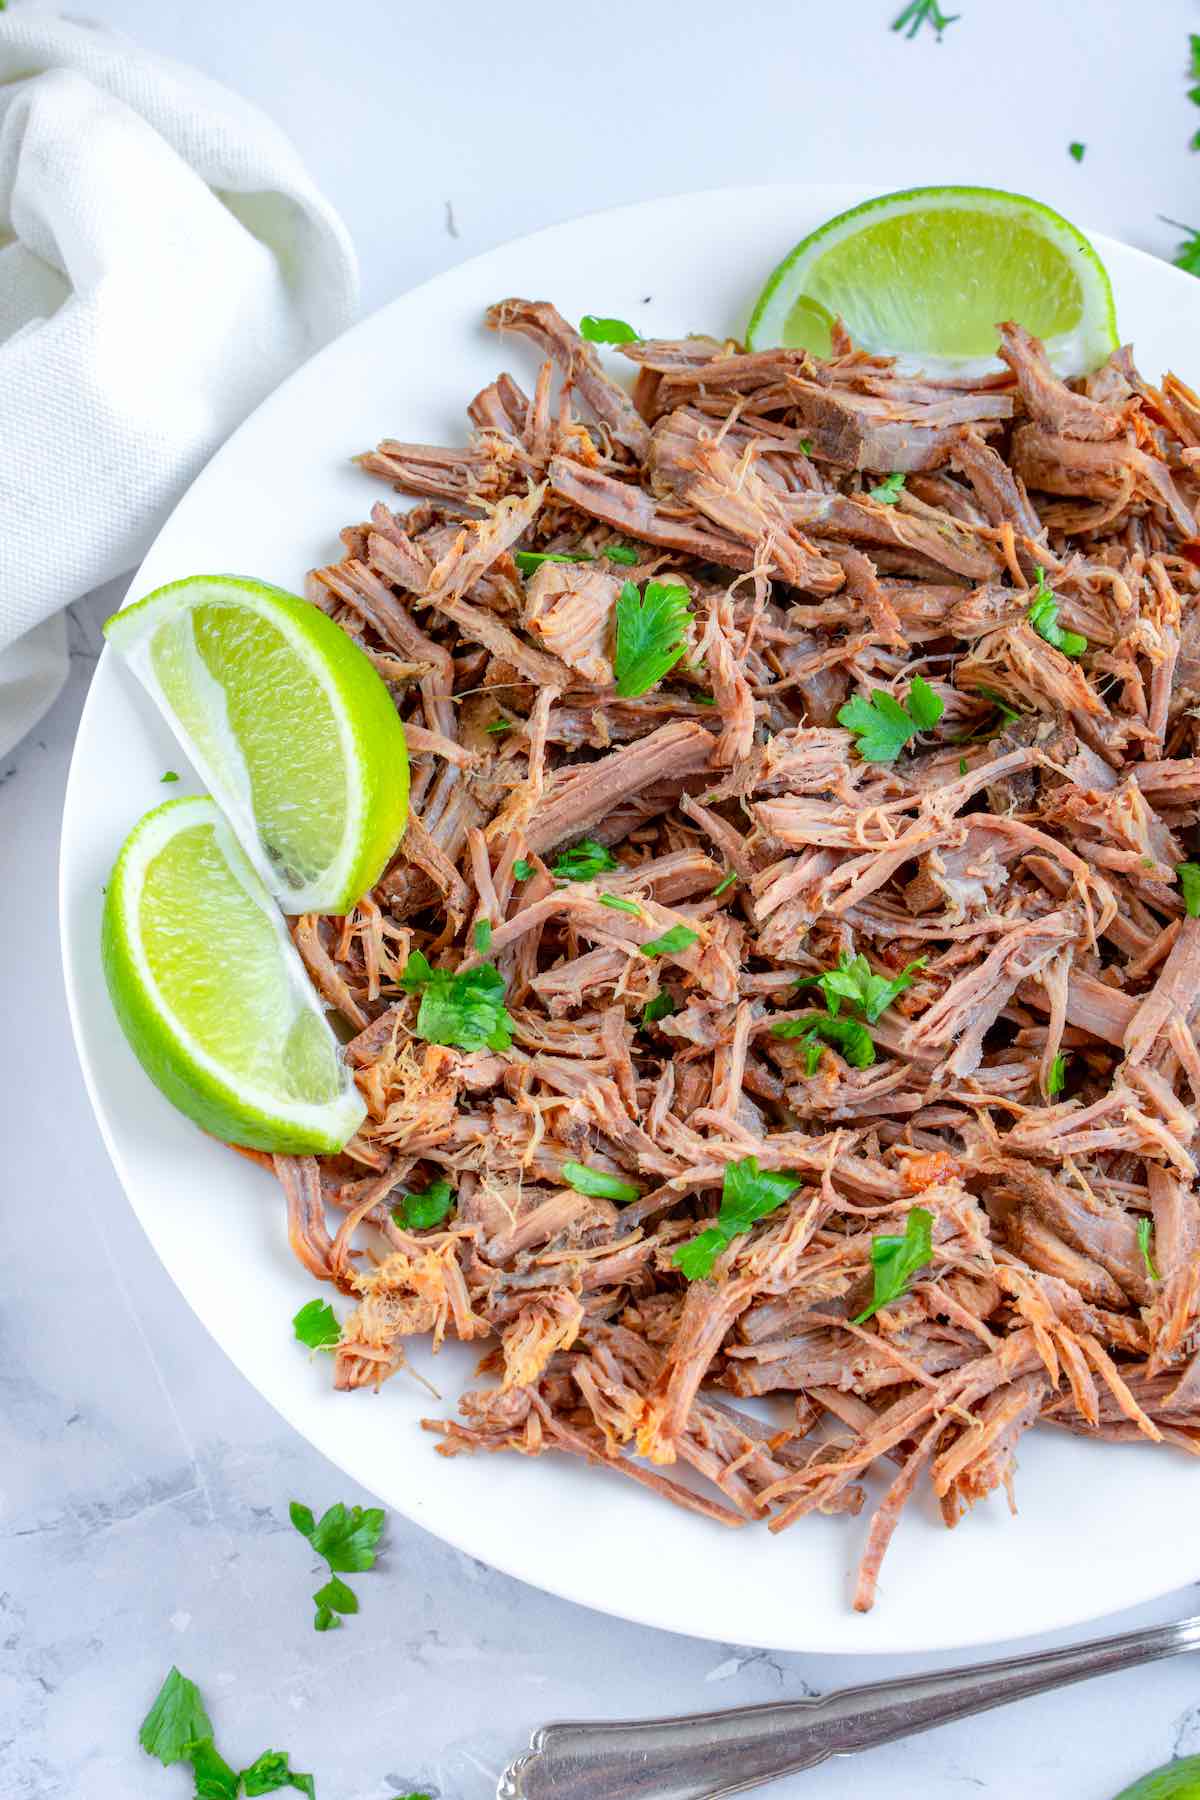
(1099, 1527)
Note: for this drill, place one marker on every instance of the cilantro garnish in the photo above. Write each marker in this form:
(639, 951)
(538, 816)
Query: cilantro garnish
(962, 765)
(1144, 1229)
(316, 1325)
(168, 775)
(896, 1260)
(888, 492)
(1189, 881)
(923, 12)
(850, 1035)
(417, 1212)
(346, 1538)
(883, 727)
(626, 554)
(620, 904)
(598, 1183)
(1043, 616)
(178, 1729)
(529, 560)
(607, 331)
(1194, 93)
(522, 869)
(466, 1010)
(748, 1194)
(482, 936)
(1187, 254)
(1077, 151)
(671, 942)
(724, 886)
(497, 726)
(1056, 1080)
(651, 630)
(855, 981)
(806, 446)
(661, 1007)
(584, 860)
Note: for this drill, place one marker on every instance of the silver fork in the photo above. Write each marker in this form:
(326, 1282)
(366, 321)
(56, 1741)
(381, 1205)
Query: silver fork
(710, 1754)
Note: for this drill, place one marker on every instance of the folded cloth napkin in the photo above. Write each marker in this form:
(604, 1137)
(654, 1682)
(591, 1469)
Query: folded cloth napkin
(164, 262)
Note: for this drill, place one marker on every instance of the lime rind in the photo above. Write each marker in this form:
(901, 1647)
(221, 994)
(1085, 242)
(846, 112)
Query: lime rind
(1072, 351)
(156, 637)
(224, 1102)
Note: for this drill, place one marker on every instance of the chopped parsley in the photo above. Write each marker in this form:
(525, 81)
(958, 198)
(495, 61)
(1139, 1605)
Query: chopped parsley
(895, 1260)
(1144, 1229)
(723, 887)
(1189, 881)
(888, 492)
(626, 554)
(813, 1029)
(598, 1183)
(169, 775)
(607, 331)
(923, 12)
(529, 560)
(1043, 616)
(482, 935)
(466, 1010)
(497, 726)
(178, 1729)
(417, 1212)
(1194, 93)
(883, 727)
(584, 860)
(345, 1537)
(522, 869)
(620, 904)
(316, 1325)
(1056, 1080)
(962, 765)
(806, 446)
(748, 1194)
(651, 635)
(1077, 151)
(855, 981)
(1187, 254)
(678, 938)
(661, 1007)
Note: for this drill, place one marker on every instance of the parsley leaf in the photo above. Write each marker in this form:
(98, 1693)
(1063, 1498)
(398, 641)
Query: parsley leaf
(883, 727)
(346, 1537)
(619, 903)
(176, 1720)
(466, 1010)
(651, 638)
(1187, 254)
(723, 887)
(417, 1212)
(850, 1036)
(888, 492)
(1144, 1229)
(270, 1772)
(482, 937)
(661, 1007)
(529, 560)
(607, 331)
(923, 12)
(1189, 881)
(962, 765)
(169, 775)
(1077, 151)
(1043, 616)
(1056, 1080)
(671, 942)
(855, 981)
(497, 726)
(316, 1325)
(625, 554)
(522, 869)
(214, 1778)
(896, 1260)
(584, 860)
(748, 1194)
(336, 1597)
(598, 1183)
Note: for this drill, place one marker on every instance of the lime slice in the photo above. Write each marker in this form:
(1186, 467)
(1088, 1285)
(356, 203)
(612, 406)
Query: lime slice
(211, 993)
(289, 725)
(927, 276)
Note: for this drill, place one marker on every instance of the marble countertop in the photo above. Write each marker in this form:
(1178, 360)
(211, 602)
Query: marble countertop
(143, 1484)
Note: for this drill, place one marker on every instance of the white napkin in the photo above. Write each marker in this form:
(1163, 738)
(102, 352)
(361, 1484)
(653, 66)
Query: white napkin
(164, 262)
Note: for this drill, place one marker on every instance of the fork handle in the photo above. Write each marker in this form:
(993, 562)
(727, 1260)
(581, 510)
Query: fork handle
(711, 1754)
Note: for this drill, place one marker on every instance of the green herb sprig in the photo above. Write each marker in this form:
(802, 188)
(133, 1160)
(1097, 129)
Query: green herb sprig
(888, 491)
(316, 1326)
(1144, 1232)
(895, 1260)
(1189, 882)
(607, 331)
(418, 1212)
(178, 1729)
(584, 861)
(651, 635)
(882, 726)
(923, 12)
(465, 1010)
(748, 1194)
(598, 1183)
(345, 1537)
(1043, 616)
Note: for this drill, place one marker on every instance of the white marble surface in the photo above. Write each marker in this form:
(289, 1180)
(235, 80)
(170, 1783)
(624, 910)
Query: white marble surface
(143, 1485)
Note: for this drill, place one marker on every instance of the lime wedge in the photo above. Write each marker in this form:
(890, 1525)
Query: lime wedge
(927, 276)
(211, 994)
(289, 725)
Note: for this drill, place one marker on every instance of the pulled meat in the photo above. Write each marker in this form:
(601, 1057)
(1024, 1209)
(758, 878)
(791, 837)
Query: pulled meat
(1034, 1080)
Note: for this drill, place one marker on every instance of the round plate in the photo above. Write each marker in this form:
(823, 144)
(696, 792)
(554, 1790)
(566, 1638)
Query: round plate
(1100, 1527)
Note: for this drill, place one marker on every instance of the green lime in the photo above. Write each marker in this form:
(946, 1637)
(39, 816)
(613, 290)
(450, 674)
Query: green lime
(288, 723)
(927, 275)
(211, 993)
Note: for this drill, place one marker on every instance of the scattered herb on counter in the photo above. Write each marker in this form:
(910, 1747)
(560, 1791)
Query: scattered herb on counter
(345, 1537)
(895, 1260)
(1187, 254)
(178, 1729)
(169, 775)
(923, 12)
(1078, 151)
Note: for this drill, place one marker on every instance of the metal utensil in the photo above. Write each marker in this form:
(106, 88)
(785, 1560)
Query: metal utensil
(710, 1754)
